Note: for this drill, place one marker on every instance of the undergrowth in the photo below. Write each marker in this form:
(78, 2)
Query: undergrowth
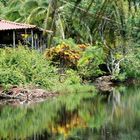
(22, 66)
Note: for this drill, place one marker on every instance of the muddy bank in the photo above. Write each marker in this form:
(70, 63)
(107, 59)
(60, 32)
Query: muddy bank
(107, 83)
(24, 95)
(104, 83)
(30, 95)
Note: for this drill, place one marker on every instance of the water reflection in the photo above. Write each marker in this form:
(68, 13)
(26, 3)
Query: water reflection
(76, 117)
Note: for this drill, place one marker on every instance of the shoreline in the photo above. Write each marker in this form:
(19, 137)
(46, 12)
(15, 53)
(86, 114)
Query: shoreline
(17, 95)
(25, 95)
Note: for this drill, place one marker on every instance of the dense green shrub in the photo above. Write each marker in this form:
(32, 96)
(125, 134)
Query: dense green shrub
(88, 65)
(22, 66)
(131, 65)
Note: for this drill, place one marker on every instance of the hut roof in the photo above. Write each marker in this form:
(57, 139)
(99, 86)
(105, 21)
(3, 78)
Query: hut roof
(9, 25)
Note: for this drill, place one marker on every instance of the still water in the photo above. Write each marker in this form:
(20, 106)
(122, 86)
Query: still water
(78, 116)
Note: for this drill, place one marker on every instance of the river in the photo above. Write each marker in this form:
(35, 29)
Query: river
(78, 116)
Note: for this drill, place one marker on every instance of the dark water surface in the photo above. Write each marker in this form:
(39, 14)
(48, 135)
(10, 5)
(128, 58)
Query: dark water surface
(83, 116)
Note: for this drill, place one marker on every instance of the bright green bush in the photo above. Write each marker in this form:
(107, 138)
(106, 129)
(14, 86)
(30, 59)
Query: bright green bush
(72, 77)
(23, 66)
(11, 76)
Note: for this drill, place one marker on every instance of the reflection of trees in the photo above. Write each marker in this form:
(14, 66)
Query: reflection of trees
(115, 100)
(121, 118)
(77, 116)
(20, 123)
(66, 120)
(124, 120)
(88, 114)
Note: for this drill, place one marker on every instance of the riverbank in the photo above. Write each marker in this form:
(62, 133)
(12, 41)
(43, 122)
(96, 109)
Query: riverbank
(107, 83)
(25, 95)
(17, 95)
(21, 95)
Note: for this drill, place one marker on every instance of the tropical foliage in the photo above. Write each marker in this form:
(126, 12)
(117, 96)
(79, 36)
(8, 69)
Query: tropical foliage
(90, 38)
(22, 66)
(114, 23)
(66, 54)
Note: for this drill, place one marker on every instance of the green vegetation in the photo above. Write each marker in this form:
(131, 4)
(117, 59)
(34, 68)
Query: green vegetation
(131, 65)
(110, 28)
(90, 39)
(21, 66)
(83, 58)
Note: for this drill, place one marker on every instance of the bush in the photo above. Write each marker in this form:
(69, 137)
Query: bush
(131, 65)
(88, 64)
(81, 57)
(22, 66)
(66, 54)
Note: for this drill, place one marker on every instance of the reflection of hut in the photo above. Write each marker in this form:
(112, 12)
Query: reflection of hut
(12, 33)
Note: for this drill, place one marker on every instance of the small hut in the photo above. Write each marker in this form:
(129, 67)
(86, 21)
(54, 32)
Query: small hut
(12, 34)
